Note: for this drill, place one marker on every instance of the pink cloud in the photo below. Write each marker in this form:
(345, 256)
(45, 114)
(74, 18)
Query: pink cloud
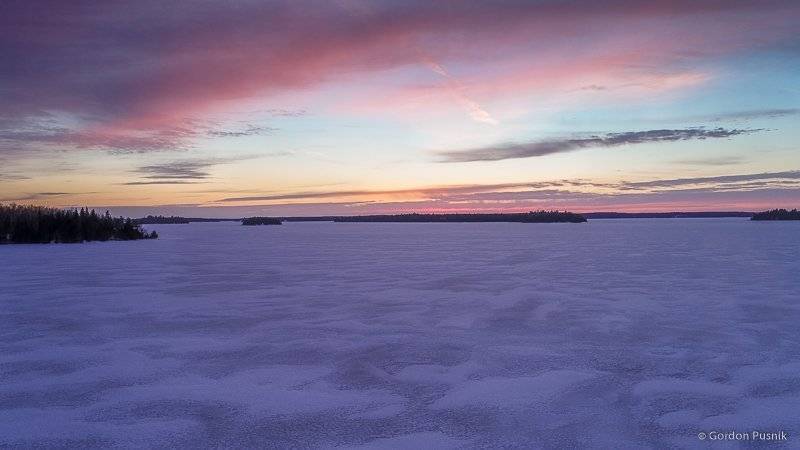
(147, 66)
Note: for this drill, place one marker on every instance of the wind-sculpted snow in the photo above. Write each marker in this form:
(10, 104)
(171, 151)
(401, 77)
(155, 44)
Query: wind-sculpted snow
(611, 334)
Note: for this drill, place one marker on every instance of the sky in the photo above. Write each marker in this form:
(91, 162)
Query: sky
(234, 108)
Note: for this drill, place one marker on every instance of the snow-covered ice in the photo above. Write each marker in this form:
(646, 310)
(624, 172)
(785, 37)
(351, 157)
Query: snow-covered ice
(611, 334)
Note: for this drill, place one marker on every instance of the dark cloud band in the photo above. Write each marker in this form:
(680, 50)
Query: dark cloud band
(543, 148)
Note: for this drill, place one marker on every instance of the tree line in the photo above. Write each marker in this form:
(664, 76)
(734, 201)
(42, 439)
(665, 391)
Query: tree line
(261, 221)
(541, 216)
(777, 214)
(38, 224)
(161, 220)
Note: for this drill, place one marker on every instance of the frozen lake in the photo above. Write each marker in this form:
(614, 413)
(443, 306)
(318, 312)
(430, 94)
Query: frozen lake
(612, 334)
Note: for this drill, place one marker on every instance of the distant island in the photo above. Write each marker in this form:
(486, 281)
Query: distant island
(777, 214)
(161, 220)
(529, 217)
(668, 215)
(36, 224)
(179, 220)
(261, 221)
(213, 220)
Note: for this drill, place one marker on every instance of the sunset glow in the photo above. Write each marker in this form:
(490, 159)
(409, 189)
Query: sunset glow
(224, 109)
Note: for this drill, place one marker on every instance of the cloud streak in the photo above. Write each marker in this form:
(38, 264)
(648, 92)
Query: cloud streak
(426, 192)
(181, 172)
(712, 161)
(754, 114)
(723, 179)
(13, 177)
(458, 91)
(42, 132)
(178, 170)
(608, 140)
(539, 190)
(40, 196)
(159, 182)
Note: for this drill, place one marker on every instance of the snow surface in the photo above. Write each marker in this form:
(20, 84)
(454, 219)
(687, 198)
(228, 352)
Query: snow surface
(611, 334)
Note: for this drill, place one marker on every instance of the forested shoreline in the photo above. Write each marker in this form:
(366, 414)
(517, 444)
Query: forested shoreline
(21, 224)
(777, 214)
(261, 221)
(155, 220)
(529, 217)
